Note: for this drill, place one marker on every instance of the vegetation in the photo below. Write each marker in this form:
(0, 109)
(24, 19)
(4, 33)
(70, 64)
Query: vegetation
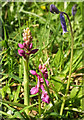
(53, 49)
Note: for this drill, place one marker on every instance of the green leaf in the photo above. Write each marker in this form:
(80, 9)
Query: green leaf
(16, 113)
(28, 107)
(12, 76)
(17, 93)
(13, 103)
(73, 92)
(74, 109)
(33, 95)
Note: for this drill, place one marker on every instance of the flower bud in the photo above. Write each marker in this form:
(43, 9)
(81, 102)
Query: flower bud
(33, 72)
(63, 23)
(20, 45)
(53, 9)
(21, 52)
(74, 9)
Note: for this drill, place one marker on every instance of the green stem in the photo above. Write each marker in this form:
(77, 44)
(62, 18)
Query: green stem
(39, 100)
(68, 82)
(20, 68)
(26, 84)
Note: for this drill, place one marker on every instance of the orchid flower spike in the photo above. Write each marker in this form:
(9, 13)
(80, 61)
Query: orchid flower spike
(27, 45)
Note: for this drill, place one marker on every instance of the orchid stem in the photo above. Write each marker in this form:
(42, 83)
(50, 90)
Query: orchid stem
(26, 84)
(68, 82)
(39, 100)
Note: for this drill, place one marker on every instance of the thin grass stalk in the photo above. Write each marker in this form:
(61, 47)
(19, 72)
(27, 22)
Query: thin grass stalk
(68, 82)
(26, 84)
(39, 100)
(20, 59)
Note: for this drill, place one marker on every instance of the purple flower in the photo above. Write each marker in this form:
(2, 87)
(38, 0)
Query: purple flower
(53, 9)
(20, 45)
(63, 23)
(34, 90)
(21, 52)
(33, 72)
(40, 83)
(74, 9)
(45, 97)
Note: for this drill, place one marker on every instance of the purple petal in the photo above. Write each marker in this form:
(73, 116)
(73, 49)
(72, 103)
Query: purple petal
(45, 97)
(20, 45)
(24, 44)
(30, 45)
(21, 52)
(42, 87)
(34, 51)
(33, 72)
(34, 90)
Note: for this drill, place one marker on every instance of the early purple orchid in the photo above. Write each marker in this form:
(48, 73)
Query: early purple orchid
(27, 45)
(40, 83)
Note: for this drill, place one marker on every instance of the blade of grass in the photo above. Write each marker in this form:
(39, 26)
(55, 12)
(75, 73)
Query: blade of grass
(30, 13)
(4, 113)
(28, 107)
(13, 103)
(13, 76)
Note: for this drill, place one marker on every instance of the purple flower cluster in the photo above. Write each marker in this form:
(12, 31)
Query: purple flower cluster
(40, 82)
(26, 47)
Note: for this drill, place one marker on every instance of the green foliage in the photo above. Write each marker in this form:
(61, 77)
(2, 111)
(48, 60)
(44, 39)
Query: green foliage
(47, 37)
